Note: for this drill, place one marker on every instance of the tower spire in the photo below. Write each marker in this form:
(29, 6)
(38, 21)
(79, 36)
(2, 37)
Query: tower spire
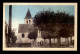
(28, 15)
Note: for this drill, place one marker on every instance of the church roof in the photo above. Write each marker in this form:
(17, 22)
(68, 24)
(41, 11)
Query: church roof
(28, 15)
(23, 28)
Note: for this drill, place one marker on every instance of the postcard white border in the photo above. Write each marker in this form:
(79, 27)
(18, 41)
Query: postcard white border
(40, 49)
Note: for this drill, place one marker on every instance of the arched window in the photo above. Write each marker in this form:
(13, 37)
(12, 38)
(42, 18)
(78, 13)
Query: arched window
(29, 21)
(23, 35)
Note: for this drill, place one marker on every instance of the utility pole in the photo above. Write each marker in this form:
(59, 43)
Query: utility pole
(10, 23)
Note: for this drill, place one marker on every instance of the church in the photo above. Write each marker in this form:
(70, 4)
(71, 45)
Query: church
(26, 28)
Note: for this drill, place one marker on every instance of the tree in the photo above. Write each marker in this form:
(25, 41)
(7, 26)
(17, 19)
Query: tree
(6, 33)
(44, 20)
(52, 22)
(67, 29)
(64, 32)
(66, 23)
(32, 35)
(44, 35)
(71, 27)
(13, 36)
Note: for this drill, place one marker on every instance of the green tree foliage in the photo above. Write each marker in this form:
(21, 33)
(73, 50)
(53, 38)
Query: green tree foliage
(14, 38)
(32, 35)
(42, 20)
(44, 34)
(55, 23)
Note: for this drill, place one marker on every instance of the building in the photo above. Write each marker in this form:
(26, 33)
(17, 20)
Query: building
(26, 28)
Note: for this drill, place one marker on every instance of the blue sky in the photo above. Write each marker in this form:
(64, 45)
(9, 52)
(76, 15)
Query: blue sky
(19, 11)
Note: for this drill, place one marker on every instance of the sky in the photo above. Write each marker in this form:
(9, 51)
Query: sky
(19, 12)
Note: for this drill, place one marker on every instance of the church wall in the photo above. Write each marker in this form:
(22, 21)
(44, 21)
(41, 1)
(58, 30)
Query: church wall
(24, 39)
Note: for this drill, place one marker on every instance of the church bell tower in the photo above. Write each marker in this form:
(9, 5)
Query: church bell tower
(28, 18)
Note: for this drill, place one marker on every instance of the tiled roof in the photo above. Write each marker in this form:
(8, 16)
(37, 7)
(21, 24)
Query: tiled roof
(23, 28)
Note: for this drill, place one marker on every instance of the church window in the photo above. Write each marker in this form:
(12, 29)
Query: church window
(29, 21)
(22, 35)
